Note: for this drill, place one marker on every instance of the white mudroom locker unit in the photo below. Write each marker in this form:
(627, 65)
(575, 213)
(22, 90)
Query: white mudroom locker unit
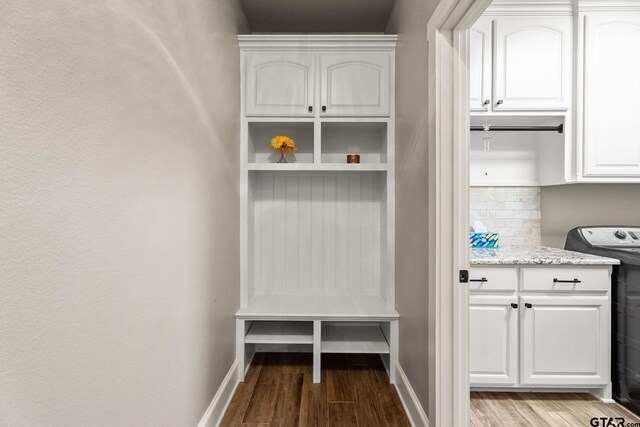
(317, 233)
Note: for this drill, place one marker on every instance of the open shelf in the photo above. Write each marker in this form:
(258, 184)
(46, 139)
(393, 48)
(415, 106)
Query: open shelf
(331, 167)
(277, 332)
(516, 158)
(261, 133)
(353, 338)
(369, 139)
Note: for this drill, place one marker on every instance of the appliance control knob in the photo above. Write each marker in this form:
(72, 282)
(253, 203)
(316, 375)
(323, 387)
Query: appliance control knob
(621, 234)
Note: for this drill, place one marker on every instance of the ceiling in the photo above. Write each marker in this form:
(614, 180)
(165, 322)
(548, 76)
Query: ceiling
(317, 16)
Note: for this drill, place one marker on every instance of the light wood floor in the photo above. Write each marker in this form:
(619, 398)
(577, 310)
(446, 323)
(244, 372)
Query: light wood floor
(279, 391)
(542, 409)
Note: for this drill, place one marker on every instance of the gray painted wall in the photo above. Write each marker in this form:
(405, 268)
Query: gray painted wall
(567, 206)
(409, 20)
(118, 209)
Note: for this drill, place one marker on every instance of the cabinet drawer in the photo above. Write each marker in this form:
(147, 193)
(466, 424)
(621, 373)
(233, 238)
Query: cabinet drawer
(566, 279)
(493, 279)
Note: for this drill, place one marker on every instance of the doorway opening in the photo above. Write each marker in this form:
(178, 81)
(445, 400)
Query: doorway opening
(523, 124)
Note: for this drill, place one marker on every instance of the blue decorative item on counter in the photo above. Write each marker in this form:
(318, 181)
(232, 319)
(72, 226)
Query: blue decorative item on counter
(484, 240)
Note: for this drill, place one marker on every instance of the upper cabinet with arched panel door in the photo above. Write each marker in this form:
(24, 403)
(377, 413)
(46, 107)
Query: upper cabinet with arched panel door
(480, 63)
(280, 84)
(355, 84)
(352, 83)
(521, 63)
(610, 107)
(532, 63)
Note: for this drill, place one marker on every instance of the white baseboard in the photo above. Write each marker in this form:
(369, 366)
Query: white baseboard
(412, 406)
(214, 413)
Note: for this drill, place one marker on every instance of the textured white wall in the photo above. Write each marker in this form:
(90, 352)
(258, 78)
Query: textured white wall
(409, 20)
(118, 209)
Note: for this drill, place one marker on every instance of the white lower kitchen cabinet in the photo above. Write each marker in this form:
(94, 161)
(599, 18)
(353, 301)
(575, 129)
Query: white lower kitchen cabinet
(540, 327)
(564, 340)
(493, 339)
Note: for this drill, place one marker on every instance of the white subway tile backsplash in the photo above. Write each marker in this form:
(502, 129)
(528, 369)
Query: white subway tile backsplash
(524, 214)
(513, 212)
(505, 214)
(512, 206)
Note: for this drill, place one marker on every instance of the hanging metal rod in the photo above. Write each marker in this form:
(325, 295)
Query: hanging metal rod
(559, 128)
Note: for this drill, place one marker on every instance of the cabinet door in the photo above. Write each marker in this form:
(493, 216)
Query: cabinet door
(480, 42)
(612, 94)
(279, 84)
(532, 63)
(493, 340)
(565, 341)
(355, 84)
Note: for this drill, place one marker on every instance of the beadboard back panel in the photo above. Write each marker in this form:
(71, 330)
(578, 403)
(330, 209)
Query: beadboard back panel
(317, 233)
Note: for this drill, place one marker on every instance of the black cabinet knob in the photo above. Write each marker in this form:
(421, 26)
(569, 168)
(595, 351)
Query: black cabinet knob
(486, 102)
(324, 108)
(310, 109)
(500, 101)
(514, 305)
(528, 305)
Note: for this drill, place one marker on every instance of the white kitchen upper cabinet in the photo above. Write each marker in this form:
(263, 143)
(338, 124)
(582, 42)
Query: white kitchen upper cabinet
(279, 84)
(493, 340)
(480, 45)
(355, 84)
(611, 101)
(564, 340)
(532, 63)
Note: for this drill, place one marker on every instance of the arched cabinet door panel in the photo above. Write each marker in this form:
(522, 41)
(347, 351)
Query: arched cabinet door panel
(355, 84)
(279, 84)
(611, 103)
(532, 63)
(480, 42)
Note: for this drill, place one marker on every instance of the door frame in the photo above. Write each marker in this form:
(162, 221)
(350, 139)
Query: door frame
(448, 75)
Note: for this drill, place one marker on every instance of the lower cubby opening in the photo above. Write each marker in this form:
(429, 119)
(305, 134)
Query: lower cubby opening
(280, 332)
(353, 337)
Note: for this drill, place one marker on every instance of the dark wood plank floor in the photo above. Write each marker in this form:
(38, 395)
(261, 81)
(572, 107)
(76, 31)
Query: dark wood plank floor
(542, 409)
(279, 391)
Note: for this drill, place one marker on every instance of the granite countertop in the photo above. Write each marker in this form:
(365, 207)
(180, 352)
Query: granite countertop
(538, 255)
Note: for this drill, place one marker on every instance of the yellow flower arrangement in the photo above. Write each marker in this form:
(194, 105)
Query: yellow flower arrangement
(283, 145)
